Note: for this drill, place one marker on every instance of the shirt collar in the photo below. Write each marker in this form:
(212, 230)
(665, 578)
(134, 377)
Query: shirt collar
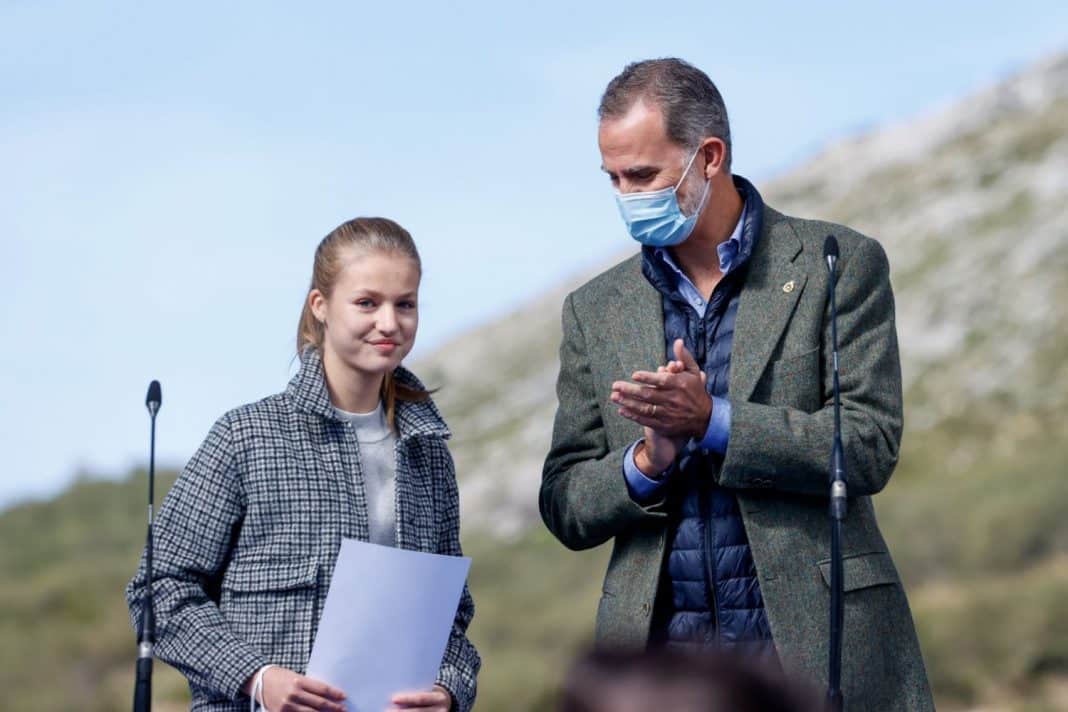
(727, 250)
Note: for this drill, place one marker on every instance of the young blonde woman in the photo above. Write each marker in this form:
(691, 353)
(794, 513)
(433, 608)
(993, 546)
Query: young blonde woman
(247, 539)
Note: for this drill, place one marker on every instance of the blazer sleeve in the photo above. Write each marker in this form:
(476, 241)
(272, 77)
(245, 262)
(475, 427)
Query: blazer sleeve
(788, 449)
(460, 665)
(584, 499)
(193, 539)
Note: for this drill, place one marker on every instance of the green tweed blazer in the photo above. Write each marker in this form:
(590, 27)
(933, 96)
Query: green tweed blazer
(776, 462)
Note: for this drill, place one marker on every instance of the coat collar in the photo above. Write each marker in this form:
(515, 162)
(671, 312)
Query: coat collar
(308, 393)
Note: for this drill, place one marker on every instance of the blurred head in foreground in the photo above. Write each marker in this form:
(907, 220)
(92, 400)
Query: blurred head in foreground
(669, 681)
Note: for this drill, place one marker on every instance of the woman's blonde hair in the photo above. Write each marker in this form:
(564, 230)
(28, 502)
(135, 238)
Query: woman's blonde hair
(369, 235)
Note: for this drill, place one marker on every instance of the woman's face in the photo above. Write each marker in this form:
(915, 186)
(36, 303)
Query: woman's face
(372, 314)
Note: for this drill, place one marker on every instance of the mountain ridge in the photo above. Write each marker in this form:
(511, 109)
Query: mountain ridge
(986, 168)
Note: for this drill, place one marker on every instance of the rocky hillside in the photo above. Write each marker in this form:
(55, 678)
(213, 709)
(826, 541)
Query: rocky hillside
(971, 203)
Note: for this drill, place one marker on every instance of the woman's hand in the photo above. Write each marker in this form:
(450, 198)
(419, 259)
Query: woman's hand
(287, 691)
(437, 700)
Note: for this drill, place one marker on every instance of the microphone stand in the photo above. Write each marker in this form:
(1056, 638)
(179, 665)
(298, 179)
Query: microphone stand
(838, 502)
(146, 638)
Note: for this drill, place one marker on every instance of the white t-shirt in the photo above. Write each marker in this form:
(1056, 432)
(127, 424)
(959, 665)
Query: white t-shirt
(378, 463)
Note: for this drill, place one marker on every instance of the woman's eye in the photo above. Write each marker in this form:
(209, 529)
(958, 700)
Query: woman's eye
(407, 305)
(365, 303)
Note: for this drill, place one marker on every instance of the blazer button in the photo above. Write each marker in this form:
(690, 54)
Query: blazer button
(645, 609)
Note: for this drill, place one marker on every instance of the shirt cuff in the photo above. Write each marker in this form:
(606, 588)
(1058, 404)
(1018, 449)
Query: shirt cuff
(643, 489)
(718, 433)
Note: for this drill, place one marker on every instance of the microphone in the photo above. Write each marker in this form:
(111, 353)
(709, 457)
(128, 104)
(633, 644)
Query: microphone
(838, 501)
(154, 398)
(146, 637)
(830, 252)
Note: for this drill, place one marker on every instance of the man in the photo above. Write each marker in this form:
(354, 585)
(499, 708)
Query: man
(695, 412)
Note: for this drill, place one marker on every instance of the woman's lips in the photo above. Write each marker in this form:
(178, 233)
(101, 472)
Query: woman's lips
(385, 347)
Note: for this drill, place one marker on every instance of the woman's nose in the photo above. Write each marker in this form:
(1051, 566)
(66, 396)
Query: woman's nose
(387, 320)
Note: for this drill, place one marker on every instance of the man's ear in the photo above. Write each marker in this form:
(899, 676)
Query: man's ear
(715, 151)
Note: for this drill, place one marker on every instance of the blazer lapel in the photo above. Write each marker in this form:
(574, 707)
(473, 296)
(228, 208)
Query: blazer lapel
(636, 323)
(772, 287)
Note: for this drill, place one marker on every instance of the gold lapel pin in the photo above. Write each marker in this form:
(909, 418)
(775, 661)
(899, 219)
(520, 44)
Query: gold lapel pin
(788, 287)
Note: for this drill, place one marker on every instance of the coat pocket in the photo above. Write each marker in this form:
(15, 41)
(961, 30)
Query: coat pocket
(862, 571)
(793, 381)
(271, 604)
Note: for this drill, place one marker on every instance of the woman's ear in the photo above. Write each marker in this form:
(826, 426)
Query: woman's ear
(317, 304)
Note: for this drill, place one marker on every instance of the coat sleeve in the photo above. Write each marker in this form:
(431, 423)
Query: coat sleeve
(460, 664)
(193, 538)
(788, 449)
(584, 499)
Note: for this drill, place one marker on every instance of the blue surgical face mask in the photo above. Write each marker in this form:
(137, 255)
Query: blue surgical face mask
(655, 218)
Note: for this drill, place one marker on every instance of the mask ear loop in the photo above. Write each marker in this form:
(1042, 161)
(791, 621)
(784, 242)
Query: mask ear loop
(689, 165)
(708, 183)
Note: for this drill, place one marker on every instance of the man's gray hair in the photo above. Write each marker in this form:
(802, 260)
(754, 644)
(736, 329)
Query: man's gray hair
(692, 106)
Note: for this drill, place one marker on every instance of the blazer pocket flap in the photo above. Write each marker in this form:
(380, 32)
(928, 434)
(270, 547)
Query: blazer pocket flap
(862, 570)
(273, 575)
(806, 363)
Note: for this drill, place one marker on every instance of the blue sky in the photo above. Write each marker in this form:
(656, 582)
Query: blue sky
(166, 171)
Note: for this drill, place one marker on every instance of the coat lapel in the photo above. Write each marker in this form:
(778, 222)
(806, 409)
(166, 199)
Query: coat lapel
(770, 293)
(636, 323)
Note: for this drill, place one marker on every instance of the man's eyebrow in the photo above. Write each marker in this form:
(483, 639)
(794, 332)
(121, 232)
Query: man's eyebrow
(634, 171)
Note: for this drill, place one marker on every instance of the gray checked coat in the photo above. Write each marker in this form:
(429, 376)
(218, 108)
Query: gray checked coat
(247, 539)
(777, 459)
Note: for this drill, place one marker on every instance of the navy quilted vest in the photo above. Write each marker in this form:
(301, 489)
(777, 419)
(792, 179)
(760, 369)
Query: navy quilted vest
(710, 595)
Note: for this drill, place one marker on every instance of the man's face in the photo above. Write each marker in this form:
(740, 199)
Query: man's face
(638, 156)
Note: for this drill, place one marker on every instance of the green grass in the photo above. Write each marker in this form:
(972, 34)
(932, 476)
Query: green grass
(983, 554)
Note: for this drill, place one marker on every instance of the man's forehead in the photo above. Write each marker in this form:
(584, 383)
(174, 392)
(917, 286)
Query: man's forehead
(642, 121)
(636, 139)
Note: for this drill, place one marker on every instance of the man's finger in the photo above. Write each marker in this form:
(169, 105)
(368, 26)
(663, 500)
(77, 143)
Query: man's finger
(683, 354)
(640, 419)
(644, 407)
(641, 392)
(648, 378)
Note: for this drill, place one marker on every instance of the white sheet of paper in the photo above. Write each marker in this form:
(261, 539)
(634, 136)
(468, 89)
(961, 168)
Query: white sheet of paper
(386, 621)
